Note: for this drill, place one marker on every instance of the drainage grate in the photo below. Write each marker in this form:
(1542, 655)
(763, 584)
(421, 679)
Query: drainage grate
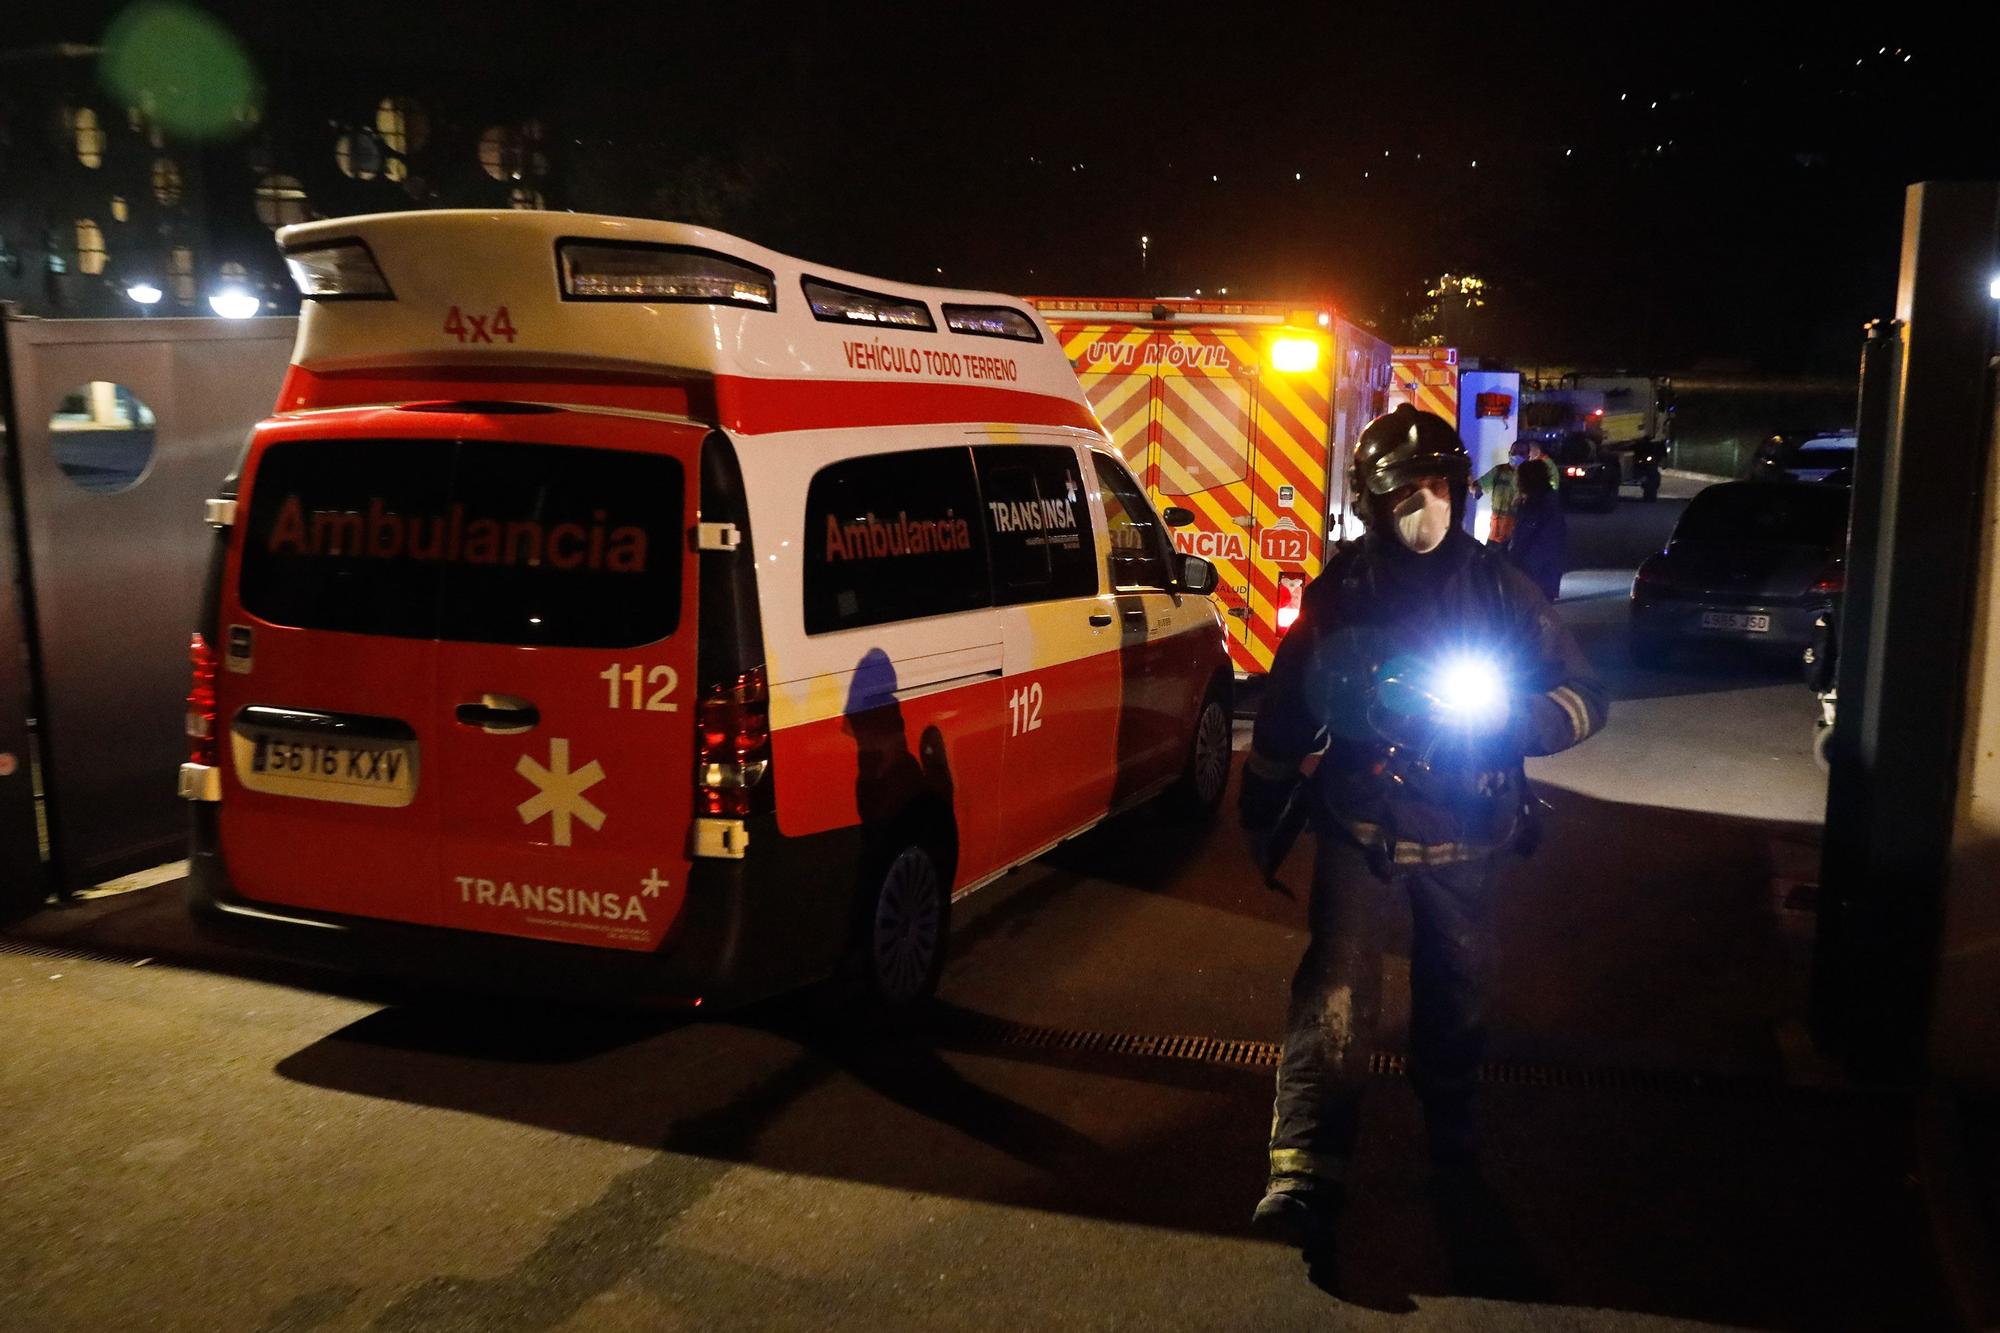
(1200, 1050)
(1266, 1054)
(57, 953)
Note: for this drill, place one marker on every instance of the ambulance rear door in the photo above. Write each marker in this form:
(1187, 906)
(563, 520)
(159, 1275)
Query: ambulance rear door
(1204, 404)
(1290, 459)
(1114, 364)
(327, 693)
(566, 702)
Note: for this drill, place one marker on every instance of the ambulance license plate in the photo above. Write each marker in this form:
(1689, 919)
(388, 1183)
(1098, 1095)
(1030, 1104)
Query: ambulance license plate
(1736, 620)
(328, 759)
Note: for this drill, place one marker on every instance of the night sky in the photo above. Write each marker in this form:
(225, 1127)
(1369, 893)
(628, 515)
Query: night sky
(1653, 188)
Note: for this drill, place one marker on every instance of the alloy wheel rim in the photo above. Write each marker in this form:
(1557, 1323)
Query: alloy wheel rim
(1211, 764)
(906, 927)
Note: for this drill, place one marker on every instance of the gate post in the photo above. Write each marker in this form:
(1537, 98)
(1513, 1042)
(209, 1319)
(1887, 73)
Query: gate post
(24, 874)
(1906, 637)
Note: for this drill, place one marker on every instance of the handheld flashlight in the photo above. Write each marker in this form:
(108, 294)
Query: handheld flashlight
(1470, 692)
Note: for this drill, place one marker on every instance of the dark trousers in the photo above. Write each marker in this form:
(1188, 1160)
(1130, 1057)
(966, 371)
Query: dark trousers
(1337, 1000)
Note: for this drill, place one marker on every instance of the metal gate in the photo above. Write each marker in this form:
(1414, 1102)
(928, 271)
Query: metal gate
(117, 430)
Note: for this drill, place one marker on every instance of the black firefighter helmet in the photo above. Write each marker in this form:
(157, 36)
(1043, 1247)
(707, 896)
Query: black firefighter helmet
(1396, 449)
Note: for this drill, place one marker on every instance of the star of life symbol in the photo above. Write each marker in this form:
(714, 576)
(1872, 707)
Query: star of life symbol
(560, 791)
(652, 884)
(1070, 486)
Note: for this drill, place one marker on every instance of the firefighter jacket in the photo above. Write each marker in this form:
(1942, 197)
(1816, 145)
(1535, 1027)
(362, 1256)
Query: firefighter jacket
(1376, 602)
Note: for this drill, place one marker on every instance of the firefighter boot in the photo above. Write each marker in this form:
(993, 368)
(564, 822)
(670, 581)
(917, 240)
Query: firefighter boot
(1300, 1218)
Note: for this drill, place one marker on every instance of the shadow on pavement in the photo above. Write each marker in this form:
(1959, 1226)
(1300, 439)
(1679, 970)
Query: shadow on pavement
(1643, 939)
(1780, 1210)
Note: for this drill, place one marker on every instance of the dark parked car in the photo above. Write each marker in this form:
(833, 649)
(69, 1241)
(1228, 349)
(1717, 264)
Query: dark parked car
(1827, 458)
(1750, 561)
(1805, 456)
(1586, 472)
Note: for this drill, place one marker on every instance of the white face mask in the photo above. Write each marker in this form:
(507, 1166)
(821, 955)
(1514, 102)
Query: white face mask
(1422, 521)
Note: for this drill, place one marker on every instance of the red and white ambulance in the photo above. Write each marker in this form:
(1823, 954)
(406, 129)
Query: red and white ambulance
(619, 606)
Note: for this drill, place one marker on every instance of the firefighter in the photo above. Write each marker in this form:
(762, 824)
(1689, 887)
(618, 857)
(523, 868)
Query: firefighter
(1502, 485)
(1422, 669)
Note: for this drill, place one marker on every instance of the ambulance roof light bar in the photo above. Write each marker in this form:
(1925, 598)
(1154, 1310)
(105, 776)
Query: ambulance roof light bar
(991, 321)
(838, 303)
(342, 270)
(646, 271)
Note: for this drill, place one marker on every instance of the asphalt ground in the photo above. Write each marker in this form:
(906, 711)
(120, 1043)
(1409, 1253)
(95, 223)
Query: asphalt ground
(212, 1140)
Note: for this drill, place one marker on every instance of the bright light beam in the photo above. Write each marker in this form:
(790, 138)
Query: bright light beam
(1471, 691)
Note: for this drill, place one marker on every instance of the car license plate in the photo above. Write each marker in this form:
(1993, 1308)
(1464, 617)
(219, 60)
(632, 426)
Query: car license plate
(1736, 620)
(316, 765)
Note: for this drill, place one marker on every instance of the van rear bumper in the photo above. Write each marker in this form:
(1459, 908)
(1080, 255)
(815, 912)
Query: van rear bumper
(729, 945)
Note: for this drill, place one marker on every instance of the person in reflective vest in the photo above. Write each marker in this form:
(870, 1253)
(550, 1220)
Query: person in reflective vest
(1422, 669)
(1501, 488)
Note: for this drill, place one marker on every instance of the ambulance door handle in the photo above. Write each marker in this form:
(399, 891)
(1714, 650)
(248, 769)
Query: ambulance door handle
(1100, 618)
(500, 715)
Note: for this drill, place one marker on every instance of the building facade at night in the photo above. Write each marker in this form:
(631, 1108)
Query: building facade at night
(98, 201)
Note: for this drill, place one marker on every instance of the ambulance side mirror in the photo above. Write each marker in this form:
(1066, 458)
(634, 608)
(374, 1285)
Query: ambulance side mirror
(1176, 517)
(1197, 576)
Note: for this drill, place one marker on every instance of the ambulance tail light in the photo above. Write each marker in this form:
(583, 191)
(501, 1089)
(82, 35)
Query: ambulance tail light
(1291, 597)
(201, 706)
(1653, 572)
(733, 749)
(637, 271)
(340, 271)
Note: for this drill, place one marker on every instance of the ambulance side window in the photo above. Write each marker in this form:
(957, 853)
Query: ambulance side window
(893, 537)
(1139, 548)
(1037, 523)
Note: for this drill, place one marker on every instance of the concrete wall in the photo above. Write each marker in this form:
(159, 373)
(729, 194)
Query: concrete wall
(1718, 421)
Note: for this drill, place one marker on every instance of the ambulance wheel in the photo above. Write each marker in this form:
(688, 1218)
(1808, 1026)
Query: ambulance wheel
(903, 941)
(1206, 773)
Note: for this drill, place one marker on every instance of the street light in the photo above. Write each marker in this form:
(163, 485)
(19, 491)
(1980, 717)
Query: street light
(234, 303)
(144, 292)
(1993, 289)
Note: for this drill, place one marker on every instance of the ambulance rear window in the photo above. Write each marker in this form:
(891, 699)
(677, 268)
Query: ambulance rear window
(475, 541)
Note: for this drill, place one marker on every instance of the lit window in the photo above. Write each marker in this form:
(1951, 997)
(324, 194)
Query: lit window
(89, 137)
(401, 125)
(90, 253)
(523, 197)
(500, 153)
(281, 201)
(358, 156)
(180, 274)
(135, 118)
(166, 181)
(234, 272)
(120, 210)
